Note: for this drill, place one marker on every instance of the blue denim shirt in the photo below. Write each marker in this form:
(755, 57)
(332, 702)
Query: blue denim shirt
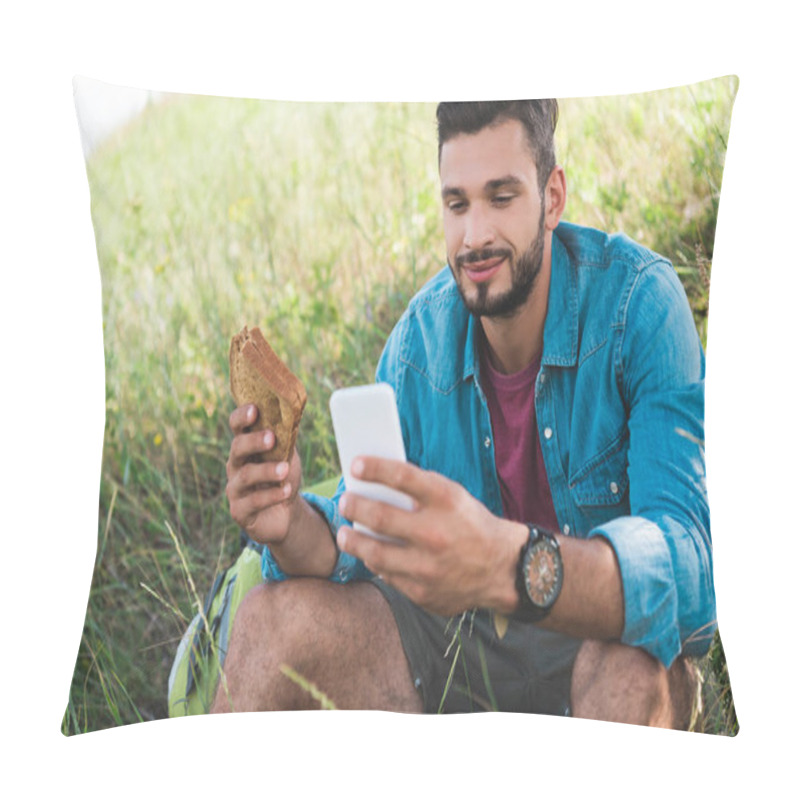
(619, 402)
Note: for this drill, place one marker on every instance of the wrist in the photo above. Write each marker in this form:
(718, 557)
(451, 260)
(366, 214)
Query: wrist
(308, 548)
(512, 536)
(297, 511)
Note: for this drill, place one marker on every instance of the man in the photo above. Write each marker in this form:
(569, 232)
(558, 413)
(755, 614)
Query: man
(557, 559)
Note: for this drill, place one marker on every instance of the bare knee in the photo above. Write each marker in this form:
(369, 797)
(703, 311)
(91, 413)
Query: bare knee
(259, 618)
(262, 611)
(269, 631)
(306, 638)
(618, 683)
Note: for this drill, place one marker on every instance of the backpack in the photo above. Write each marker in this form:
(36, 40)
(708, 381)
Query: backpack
(201, 653)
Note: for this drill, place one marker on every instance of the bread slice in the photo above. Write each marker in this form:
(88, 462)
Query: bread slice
(258, 376)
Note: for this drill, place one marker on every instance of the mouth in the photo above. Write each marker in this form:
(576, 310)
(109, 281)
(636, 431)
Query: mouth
(482, 271)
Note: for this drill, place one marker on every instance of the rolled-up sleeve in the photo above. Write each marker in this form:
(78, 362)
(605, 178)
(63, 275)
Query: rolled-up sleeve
(649, 585)
(347, 568)
(663, 547)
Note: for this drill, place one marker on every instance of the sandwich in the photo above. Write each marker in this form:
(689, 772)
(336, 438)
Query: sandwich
(258, 376)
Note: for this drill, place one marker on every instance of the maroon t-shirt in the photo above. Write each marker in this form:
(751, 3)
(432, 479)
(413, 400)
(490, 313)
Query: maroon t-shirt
(518, 453)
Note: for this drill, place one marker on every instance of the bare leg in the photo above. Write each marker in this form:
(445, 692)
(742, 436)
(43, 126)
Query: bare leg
(617, 683)
(342, 639)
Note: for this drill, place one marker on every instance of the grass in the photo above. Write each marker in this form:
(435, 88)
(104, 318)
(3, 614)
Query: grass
(316, 222)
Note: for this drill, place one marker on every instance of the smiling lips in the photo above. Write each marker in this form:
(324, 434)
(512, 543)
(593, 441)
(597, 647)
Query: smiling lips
(481, 271)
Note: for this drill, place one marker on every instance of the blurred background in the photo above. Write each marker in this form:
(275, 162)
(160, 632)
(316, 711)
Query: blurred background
(316, 222)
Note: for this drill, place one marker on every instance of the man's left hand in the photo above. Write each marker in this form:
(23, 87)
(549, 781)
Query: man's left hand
(451, 552)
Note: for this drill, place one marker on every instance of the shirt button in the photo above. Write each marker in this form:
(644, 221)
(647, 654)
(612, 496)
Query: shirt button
(614, 488)
(548, 432)
(487, 442)
(566, 530)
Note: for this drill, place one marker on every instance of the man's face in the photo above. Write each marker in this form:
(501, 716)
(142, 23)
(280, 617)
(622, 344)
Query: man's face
(493, 218)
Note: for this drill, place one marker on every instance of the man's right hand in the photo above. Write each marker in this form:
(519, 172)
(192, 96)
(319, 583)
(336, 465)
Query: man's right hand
(263, 496)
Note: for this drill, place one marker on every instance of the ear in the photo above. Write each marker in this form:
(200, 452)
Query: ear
(555, 197)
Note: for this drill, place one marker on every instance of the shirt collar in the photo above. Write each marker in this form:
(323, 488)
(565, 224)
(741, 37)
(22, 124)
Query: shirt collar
(561, 323)
(471, 355)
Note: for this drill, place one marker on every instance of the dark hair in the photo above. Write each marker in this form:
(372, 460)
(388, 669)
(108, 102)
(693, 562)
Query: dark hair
(539, 117)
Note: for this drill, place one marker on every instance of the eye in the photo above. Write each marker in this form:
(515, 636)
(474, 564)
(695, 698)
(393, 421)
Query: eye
(502, 199)
(456, 206)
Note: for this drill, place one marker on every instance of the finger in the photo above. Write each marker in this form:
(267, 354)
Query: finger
(420, 484)
(383, 518)
(247, 445)
(403, 567)
(364, 547)
(242, 417)
(247, 508)
(392, 560)
(250, 476)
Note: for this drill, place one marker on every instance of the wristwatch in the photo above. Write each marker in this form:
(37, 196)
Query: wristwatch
(540, 574)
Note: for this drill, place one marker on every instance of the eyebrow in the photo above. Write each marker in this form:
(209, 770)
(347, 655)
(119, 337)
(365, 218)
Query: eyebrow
(507, 181)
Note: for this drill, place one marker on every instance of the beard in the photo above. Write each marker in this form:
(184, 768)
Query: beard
(523, 278)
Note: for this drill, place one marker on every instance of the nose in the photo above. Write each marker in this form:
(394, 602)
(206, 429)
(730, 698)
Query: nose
(478, 231)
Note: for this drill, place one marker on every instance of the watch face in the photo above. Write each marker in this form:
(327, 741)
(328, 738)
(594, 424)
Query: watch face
(543, 573)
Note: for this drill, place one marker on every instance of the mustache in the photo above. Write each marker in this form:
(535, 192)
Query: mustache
(481, 255)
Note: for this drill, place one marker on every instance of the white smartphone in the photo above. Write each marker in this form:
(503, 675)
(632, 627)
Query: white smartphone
(366, 423)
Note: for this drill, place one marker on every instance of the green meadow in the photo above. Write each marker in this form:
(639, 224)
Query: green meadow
(317, 223)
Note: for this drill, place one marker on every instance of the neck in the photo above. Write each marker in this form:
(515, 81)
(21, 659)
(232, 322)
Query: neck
(513, 342)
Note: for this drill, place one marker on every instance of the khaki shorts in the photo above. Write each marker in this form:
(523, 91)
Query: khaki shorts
(461, 664)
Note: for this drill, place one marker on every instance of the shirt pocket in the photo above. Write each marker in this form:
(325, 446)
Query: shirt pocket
(600, 484)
